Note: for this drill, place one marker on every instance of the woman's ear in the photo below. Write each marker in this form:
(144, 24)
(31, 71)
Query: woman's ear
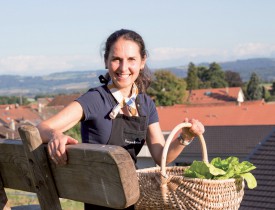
(143, 62)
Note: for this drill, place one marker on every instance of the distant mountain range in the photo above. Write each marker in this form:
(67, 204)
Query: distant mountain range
(79, 81)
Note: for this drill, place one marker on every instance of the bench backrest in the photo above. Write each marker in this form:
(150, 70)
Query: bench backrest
(98, 174)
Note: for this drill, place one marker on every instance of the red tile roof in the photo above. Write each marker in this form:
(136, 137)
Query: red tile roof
(19, 113)
(249, 113)
(63, 100)
(214, 95)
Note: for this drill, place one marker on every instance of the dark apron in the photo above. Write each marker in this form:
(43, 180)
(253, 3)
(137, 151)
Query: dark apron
(128, 132)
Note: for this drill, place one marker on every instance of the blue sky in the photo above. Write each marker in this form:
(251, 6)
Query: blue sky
(38, 37)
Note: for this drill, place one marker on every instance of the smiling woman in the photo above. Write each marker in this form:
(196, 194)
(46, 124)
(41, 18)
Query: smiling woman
(117, 113)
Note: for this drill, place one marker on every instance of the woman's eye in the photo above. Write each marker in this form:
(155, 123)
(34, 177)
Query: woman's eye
(132, 59)
(115, 59)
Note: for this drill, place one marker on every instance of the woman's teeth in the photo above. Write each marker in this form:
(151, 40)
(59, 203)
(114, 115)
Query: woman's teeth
(123, 75)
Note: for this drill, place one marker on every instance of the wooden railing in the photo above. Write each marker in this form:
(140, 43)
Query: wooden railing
(98, 174)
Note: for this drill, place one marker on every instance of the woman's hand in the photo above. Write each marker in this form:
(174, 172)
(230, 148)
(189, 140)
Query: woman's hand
(196, 129)
(57, 149)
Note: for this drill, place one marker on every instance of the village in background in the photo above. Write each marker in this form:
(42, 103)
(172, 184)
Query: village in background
(238, 116)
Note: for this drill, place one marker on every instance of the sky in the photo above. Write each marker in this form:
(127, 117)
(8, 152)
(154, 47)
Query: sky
(39, 37)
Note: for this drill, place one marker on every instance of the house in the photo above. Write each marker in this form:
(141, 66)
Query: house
(63, 100)
(12, 116)
(263, 157)
(215, 96)
(231, 130)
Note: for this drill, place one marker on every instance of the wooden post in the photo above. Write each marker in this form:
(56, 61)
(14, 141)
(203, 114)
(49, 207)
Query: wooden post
(41, 176)
(3, 197)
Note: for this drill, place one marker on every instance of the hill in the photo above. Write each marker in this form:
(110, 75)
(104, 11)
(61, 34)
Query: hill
(64, 82)
(77, 81)
(263, 67)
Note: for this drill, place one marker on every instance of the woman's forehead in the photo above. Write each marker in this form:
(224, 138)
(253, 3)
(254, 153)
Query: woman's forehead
(122, 46)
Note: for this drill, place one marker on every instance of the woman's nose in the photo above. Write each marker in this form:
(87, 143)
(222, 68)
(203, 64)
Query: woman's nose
(124, 65)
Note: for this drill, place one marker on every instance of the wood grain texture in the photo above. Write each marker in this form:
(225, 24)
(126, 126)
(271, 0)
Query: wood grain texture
(98, 174)
(41, 177)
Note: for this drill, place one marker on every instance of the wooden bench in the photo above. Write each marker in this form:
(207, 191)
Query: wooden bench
(98, 174)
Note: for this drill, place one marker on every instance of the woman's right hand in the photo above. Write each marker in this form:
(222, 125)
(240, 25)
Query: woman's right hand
(57, 147)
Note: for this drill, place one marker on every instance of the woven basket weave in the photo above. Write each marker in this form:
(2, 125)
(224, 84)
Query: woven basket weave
(166, 187)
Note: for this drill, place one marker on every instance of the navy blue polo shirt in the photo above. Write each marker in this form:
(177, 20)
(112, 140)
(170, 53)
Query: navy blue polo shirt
(96, 104)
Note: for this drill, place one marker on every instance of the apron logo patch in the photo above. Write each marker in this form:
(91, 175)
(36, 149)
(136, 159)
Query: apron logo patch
(131, 141)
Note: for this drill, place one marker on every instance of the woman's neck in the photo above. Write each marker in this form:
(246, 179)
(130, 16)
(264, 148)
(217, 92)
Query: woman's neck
(126, 92)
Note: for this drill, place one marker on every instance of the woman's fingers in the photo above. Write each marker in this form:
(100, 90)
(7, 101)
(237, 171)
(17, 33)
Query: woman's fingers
(197, 127)
(57, 151)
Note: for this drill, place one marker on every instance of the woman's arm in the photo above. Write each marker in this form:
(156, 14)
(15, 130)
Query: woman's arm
(156, 141)
(51, 131)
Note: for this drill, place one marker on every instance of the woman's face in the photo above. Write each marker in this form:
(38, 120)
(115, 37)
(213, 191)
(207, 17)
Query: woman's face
(124, 63)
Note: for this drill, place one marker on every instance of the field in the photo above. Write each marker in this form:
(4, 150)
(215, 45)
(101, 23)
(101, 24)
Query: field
(18, 198)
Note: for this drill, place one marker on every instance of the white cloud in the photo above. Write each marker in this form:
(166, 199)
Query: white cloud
(254, 49)
(158, 57)
(186, 55)
(160, 54)
(42, 65)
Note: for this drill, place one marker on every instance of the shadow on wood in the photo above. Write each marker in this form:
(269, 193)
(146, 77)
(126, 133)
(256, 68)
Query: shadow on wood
(98, 174)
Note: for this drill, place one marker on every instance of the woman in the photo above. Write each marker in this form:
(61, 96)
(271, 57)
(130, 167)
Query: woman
(118, 112)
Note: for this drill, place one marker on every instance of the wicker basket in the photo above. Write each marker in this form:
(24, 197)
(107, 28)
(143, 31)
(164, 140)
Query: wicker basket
(166, 187)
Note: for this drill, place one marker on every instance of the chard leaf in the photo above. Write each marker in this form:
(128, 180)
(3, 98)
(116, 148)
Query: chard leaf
(229, 174)
(244, 167)
(250, 180)
(215, 171)
(199, 169)
(223, 169)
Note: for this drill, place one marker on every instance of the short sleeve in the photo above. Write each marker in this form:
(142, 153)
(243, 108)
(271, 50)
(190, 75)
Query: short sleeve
(93, 104)
(149, 109)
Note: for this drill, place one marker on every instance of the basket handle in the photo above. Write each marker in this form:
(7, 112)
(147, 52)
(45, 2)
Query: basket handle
(169, 140)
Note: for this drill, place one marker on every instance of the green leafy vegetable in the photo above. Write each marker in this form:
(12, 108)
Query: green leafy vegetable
(222, 169)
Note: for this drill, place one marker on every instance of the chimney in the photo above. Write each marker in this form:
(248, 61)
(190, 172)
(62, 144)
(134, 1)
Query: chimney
(39, 108)
(12, 125)
(227, 90)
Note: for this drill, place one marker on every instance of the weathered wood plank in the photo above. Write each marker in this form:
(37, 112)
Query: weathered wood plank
(104, 174)
(14, 166)
(3, 197)
(41, 177)
(98, 174)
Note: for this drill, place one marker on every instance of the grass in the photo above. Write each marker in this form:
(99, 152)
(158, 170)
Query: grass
(18, 198)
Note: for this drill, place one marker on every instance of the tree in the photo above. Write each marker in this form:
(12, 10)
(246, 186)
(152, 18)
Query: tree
(74, 132)
(273, 88)
(192, 77)
(265, 94)
(167, 89)
(14, 100)
(233, 79)
(204, 77)
(217, 77)
(254, 90)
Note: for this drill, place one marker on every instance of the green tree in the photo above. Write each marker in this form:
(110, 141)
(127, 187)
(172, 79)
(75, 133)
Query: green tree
(204, 77)
(233, 79)
(254, 89)
(192, 77)
(217, 76)
(167, 89)
(74, 132)
(13, 100)
(265, 94)
(273, 88)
